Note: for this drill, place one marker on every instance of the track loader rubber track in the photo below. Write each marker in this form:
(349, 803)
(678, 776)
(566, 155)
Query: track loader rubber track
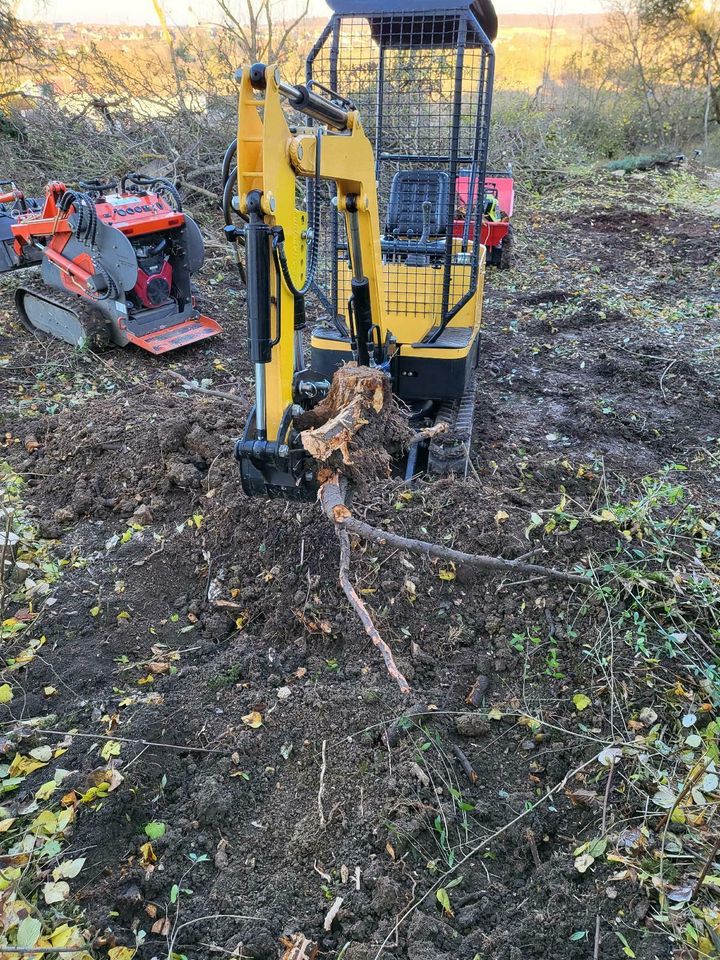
(62, 316)
(448, 453)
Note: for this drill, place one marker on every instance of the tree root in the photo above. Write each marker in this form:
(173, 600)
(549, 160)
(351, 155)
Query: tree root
(362, 612)
(332, 499)
(333, 503)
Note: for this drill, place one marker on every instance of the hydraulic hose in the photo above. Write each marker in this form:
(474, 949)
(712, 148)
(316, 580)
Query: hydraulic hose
(315, 242)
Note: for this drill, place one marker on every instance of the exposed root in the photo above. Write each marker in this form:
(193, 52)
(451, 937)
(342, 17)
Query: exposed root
(364, 615)
(333, 504)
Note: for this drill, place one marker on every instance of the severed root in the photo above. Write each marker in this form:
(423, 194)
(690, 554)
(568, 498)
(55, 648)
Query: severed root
(332, 499)
(333, 504)
(363, 614)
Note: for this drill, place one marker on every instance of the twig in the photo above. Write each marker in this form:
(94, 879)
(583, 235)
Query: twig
(662, 378)
(39, 951)
(201, 190)
(427, 433)
(464, 763)
(530, 837)
(364, 615)
(332, 913)
(205, 390)
(606, 801)
(708, 863)
(142, 743)
(333, 504)
(321, 788)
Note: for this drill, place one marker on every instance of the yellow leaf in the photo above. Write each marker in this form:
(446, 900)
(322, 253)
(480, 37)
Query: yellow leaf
(446, 575)
(22, 766)
(123, 615)
(495, 714)
(253, 719)
(65, 935)
(49, 691)
(148, 679)
(147, 853)
(581, 701)
(121, 953)
(94, 611)
(45, 822)
(6, 824)
(111, 749)
(6, 693)
(197, 519)
(501, 516)
(46, 790)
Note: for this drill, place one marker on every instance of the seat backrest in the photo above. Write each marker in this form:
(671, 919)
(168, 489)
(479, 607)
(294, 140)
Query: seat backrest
(410, 189)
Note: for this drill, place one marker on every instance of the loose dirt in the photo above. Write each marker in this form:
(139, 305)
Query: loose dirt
(598, 365)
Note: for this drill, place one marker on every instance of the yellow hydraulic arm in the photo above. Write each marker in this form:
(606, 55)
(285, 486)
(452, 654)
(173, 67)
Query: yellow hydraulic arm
(270, 158)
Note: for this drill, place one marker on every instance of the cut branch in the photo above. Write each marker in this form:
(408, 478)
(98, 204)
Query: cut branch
(333, 504)
(362, 612)
(188, 385)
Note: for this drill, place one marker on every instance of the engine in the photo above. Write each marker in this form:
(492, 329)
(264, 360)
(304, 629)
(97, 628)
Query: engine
(155, 274)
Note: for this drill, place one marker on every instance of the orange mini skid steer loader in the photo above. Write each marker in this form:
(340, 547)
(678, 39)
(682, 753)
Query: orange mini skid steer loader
(116, 263)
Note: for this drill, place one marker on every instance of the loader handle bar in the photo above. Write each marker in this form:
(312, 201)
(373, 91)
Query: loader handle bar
(304, 99)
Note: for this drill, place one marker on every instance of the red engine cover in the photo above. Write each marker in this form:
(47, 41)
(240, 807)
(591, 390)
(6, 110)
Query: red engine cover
(152, 289)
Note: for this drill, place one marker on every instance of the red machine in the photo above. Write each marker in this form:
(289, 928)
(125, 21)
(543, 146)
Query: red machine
(496, 230)
(121, 261)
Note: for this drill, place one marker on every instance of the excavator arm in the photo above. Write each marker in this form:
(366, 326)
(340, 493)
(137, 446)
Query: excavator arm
(281, 242)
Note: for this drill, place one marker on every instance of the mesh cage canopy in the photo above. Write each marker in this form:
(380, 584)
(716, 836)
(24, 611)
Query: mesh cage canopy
(422, 82)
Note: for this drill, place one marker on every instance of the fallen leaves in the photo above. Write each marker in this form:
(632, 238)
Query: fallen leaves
(155, 830)
(56, 892)
(581, 701)
(253, 719)
(111, 748)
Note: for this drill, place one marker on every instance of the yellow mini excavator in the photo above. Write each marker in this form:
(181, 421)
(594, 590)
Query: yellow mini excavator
(352, 201)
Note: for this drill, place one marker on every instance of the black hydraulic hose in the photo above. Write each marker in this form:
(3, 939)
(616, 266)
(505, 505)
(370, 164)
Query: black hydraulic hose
(86, 232)
(315, 242)
(230, 155)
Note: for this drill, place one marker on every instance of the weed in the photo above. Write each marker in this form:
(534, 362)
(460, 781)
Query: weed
(226, 678)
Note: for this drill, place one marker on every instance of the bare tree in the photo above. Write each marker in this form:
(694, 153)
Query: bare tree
(259, 33)
(18, 44)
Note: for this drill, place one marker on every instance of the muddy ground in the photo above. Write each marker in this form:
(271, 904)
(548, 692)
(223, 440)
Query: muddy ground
(599, 364)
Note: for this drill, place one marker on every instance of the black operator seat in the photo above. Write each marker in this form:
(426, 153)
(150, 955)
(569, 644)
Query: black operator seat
(417, 214)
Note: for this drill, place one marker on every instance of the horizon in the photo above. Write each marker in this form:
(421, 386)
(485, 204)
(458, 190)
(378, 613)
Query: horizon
(187, 13)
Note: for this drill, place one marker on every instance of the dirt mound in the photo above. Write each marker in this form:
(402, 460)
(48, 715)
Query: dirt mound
(107, 461)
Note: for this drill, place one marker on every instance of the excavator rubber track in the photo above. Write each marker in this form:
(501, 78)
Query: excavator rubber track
(449, 451)
(63, 316)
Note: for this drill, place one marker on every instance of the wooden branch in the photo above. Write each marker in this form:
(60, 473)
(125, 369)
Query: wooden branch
(333, 505)
(362, 612)
(194, 188)
(196, 389)
(427, 433)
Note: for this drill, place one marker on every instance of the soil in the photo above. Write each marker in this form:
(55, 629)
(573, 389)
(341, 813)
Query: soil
(596, 368)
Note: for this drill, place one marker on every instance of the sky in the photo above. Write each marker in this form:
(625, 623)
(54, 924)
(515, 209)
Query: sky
(188, 11)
